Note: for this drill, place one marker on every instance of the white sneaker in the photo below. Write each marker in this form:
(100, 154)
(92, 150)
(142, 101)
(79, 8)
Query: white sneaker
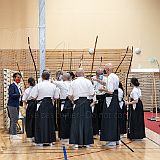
(50, 144)
(39, 144)
(118, 142)
(15, 137)
(88, 146)
(111, 144)
(75, 146)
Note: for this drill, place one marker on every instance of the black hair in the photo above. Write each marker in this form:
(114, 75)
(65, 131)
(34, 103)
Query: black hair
(135, 82)
(104, 71)
(45, 75)
(31, 81)
(71, 74)
(15, 74)
(121, 86)
(45, 70)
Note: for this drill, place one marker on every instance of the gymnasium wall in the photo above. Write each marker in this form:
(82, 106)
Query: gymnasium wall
(74, 24)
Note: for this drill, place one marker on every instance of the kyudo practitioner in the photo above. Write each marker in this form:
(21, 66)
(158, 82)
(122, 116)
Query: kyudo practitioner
(31, 106)
(136, 127)
(122, 111)
(57, 104)
(110, 130)
(45, 93)
(99, 81)
(66, 106)
(81, 89)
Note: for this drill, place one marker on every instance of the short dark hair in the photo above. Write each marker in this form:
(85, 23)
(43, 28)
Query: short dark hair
(31, 81)
(104, 71)
(121, 86)
(15, 74)
(45, 75)
(72, 74)
(135, 82)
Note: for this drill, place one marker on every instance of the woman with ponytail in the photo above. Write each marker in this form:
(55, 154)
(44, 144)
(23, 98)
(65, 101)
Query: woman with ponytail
(30, 104)
(136, 127)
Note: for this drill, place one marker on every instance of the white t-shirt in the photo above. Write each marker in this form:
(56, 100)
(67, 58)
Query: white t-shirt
(113, 82)
(26, 94)
(45, 89)
(98, 86)
(64, 88)
(136, 93)
(81, 87)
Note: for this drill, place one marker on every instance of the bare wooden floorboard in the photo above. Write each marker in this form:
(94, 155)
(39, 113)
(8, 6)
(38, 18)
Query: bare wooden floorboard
(143, 150)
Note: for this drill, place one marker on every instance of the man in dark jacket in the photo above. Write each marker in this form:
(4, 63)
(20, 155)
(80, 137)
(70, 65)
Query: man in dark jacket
(13, 104)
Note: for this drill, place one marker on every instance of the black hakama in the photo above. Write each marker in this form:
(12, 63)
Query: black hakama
(81, 127)
(123, 119)
(110, 129)
(136, 127)
(66, 118)
(30, 118)
(44, 122)
(97, 114)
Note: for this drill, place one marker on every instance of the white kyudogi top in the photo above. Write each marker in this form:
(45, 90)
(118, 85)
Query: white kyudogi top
(41, 80)
(98, 86)
(112, 84)
(81, 87)
(27, 94)
(45, 89)
(64, 88)
(120, 97)
(135, 95)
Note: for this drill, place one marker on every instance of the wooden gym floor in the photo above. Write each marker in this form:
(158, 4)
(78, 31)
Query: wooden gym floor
(147, 149)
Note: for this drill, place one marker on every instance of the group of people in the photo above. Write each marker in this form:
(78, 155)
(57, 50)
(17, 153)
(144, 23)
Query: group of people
(86, 107)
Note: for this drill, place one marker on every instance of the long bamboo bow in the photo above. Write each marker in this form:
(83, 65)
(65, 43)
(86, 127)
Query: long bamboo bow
(70, 67)
(62, 63)
(122, 59)
(101, 62)
(81, 61)
(95, 45)
(127, 96)
(129, 71)
(30, 50)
